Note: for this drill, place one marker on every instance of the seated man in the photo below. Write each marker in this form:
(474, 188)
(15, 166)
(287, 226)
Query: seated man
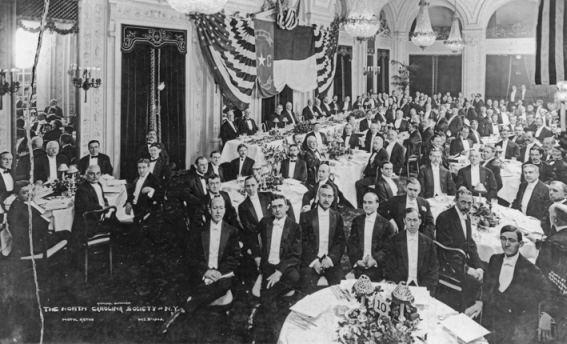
(308, 111)
(7, 178)
(472, 175)
(395, 151)
(546, 174)
(509, 148)
(228, 130)
(526, 148)
(144, 150)
(280, 256)
(157, 163)
(454, 230)
(202, 214)
(365, 124)
(196, 184)
(310, 198)
(247, 125)
(276, 119)
(557, 195)
(511, 293)
(241, 166)
(213, 252)
(532, 198)
(366, 246)
(386, 187)
(95, 158)
(350, 138)
(55, 133)
(461, 144)
(215, 167)
(411, 256)
(492, 163)
(68, 150)
(293, 167)
(46, 167)
(434, 178)
(23, 167)
(312, 158)
(371, 136)
(376, 160)
(323, 243)
(559, 164)
(394, 209)
(146, 190)
(319, 136)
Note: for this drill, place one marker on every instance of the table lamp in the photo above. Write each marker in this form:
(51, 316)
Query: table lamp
(480, 189)
(73, 169)
(62, 169)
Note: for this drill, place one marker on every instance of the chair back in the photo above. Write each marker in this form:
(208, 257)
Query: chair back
(93, 220)
(451, 276)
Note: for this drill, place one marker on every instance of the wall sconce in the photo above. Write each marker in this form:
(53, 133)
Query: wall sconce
(8, 87)
(86, 81)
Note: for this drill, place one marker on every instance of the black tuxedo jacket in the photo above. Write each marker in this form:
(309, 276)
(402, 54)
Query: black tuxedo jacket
(427, 263)
(41, 170)
(3, 192)
(383, 190)
(454, 126)
(203, 215)
(413, 144)
(560, 170)
(70, 152)
(103, 162)
(18, 224)
(309, 222)
(348, 106)
(372, 167)
(457, 146)
(474, 138)
(358, 105)
(519, 140)
(512, 149)
(144, 152)
(353, 142)
(272, 124)
(494, 166)
(194, 188)
(198, 250)
(425, 178)
(227, 132)
(58, 111)
(299, 173)
(390, 116)
(546, 225)
(539, 202)
(312, 162)
(159, 168)
(478, 104)
(86, 200)
(363, 126)
(546, 171)
(395, 208)
(543, 134)
(290, 245)
(247, 167)
(368, 141)
(323, 140)
(450, 233)
(308, 113)
(441, 125)
(471, 114)
(383, 230)
(397, 157)
(318, 111)
(52, 135)
(464, 178)
(403, 126)
(291, 117)
(144, 202)
(243, 127)
(211, 172)
(327, 111)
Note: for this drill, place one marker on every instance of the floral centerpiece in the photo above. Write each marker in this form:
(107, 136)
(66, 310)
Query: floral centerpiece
(484, 214)
(379, 320)
(302, 128)
(274, 154)
(65, 187)
(358, 114)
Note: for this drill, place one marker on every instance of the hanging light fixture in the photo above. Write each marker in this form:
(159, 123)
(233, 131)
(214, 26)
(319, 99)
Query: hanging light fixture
(361, 23)
(455, 42)
(198, 6)
(423, 36)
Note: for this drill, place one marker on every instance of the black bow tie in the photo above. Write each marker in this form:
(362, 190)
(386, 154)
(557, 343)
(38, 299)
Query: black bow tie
(201, 177)
(94, 156)
(7, 171)
(153, 160)
(294, 160)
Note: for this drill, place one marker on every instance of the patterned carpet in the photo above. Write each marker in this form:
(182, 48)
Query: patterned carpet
(148, 272)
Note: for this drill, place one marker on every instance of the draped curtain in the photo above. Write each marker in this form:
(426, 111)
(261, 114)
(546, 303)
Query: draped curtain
(343, 74)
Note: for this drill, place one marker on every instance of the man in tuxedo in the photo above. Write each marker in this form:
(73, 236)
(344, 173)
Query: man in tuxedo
(228, 130)
(492, 163)
(513, 97)
(68, 150)
(413, 142)
(434, 178)
(557, 196)
(394, 209)
(247, 126)
(323, 243)
(213, 252)
(454, 123)
(546, 174)
(391, 113)
(157, 163)
(366, 245)
(400, 124)
(326, 107)
(376, 160)
(318, 112)
(525, 95)
(532, 198)
(371, 136)
(548, 144)
(525, 150)
(7, 180)
(395, 151)
(55, 133)
(54, 109)
(289, 114)
(509, 148)
(96, 158)
(280, 255)
(530, 122)
(346, 105)
(358, 105)
(519, 138)
(308, 112)
(473, 174)
(461, 144)
(559, 164)
(311, 197)
(350, 139)
(46, 167)
(146, 191)
(293, 167)
(196, 184)
(453, 229)
(470, 112)
(215, 167)
(386, 187)
(202, 213)
(312, 158)
(412, 257)
(367, 122)
(276, 120)
(541, 131)
(511, 293)
(144, 151)
(243, 165)
(478, 102)
(319, 136)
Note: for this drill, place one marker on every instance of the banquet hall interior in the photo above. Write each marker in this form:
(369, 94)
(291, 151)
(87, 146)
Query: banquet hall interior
(283, 171)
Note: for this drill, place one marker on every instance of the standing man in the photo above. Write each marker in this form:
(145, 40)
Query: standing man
(96, 158)
(243, 165)
(157, 163)
(196, 184)
(7, 182)
(144, 151)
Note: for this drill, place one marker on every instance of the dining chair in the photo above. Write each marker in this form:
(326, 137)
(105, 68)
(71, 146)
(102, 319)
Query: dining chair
(101, 236)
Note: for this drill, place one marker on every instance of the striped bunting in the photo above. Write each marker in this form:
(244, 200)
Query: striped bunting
(551, 50)
(229, 48)
(326, 43)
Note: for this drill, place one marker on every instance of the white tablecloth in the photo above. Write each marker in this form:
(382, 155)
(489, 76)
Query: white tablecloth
(327, 321)
(488, 242)
(347, 172)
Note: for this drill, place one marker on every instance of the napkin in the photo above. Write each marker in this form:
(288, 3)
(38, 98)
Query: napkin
(57, 203)
(420, 294)
(113, 189)
(464, 327)
(312, 305)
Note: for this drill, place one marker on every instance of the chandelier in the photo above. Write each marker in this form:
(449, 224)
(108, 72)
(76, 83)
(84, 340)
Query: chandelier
(199, 6)
(455, 42)
(423, 36)
(361, 23)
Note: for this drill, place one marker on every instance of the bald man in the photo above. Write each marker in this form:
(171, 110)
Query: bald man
(46, 167)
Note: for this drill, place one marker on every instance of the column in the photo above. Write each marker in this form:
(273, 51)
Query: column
(400, 52)
(7, 35)
(474, 62)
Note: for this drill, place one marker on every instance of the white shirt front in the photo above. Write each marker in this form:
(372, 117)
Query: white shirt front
(463, 219)
(392, 185)
(52, 168)
(215, 169)
(504, 147)
(8, 180)
(93, 161)
(249, 123)
(495, 130)
(257, 206)
(319, 139)
(411, 204)
(232, 126)
(291, 170)
(412, 256)
(214, 243)
(527, 195)
(368, 230)
(398, 123)
(277, 231)
(324, 229)
(466, 145)
(99, 195)
(240, 165)
(475, 175)
(436, 180)
(203, 183)
(513, 96)
(527, 153)
(389, 149)
(507, 272)
(138, 188)
(152, 166)
(538, 131)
